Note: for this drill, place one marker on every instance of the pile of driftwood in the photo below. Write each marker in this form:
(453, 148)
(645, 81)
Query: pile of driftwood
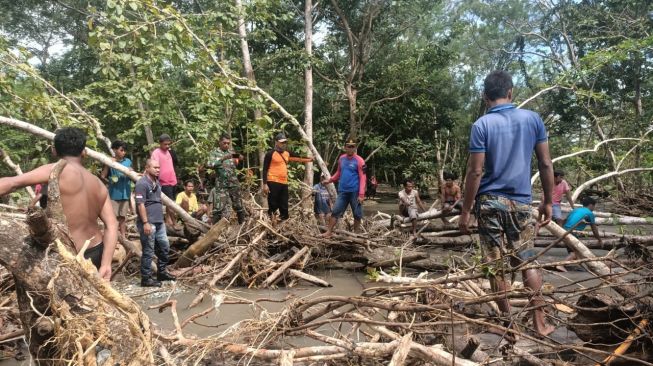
(434, 306)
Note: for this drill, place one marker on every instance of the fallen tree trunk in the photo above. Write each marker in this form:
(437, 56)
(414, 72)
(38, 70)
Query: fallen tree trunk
(426, 215)
(202, 245)
(599, 268)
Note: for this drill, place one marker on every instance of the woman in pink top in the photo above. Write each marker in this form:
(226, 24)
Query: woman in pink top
(560, 188)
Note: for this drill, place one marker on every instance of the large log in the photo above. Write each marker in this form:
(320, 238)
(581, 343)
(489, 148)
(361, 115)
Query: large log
(426, 215)
(202, 245)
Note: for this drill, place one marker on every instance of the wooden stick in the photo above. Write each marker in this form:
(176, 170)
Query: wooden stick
(626, 344)
(309, 278)
(12, 335)
(275, 275)
(401, 353)
(432, 354)
(198, 299)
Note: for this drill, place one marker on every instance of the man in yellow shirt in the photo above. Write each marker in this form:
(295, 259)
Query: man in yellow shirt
(188, 201)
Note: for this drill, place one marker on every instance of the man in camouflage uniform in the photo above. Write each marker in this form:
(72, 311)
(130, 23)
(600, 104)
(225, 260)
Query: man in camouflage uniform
(227, 187)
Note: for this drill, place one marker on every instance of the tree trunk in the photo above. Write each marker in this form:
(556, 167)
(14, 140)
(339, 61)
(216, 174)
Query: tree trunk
(308, 97)
(142, 111)
(64, 305)
(249, 73)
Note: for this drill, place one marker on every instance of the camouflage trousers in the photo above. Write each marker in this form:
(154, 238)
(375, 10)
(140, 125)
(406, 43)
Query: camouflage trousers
(505, 229)
(224, 200)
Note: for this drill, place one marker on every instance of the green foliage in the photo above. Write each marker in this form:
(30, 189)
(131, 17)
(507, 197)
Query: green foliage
(121, 67)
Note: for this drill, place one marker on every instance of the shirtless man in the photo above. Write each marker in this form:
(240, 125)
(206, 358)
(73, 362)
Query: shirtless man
(83, 196)
(451, 193)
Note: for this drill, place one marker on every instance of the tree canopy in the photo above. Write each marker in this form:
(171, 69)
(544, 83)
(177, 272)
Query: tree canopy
(403, 78)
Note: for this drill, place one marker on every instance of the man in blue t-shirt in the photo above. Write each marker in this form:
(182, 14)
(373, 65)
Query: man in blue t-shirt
(119, 185)
(577, 220)
(498, 179)
(351, 187)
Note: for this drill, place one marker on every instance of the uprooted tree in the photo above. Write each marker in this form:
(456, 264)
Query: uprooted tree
(69, 314)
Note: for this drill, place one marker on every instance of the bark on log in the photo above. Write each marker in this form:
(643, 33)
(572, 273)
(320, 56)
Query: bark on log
(202, 245)
(401, 353)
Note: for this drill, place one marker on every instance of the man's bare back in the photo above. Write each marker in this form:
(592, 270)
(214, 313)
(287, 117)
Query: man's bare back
(83, 197)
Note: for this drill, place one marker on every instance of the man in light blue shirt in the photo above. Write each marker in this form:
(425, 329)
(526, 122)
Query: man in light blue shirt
(501, 146)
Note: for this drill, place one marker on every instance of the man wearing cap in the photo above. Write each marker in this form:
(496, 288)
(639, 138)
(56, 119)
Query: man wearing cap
(351, 189)
(167, 176)
(275, 175)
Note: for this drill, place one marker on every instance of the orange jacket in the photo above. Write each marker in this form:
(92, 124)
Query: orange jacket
(275, 165)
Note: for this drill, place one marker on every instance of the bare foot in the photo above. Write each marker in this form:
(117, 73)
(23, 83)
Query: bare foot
(545, 329)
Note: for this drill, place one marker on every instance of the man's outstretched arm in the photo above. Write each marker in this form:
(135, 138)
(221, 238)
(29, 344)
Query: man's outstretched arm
(36, 176)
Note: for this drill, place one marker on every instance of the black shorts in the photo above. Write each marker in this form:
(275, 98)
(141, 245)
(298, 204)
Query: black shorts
(169, 191)
(95, 254)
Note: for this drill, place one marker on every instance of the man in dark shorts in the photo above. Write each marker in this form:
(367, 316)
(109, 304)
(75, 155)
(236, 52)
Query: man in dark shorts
(151, 226)
(83, 196)
(351, 187)
(501, 147)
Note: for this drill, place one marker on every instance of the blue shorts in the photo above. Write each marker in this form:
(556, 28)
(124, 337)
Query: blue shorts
(321, 207)
(344, 199)
(557, 211)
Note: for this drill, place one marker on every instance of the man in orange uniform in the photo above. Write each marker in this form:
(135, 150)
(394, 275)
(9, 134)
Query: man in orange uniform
(275, 175)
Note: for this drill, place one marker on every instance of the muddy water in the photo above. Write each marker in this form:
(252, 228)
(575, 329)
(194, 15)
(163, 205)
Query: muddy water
(344, 284)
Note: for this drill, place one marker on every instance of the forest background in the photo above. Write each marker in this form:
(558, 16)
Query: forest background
(401, 77)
